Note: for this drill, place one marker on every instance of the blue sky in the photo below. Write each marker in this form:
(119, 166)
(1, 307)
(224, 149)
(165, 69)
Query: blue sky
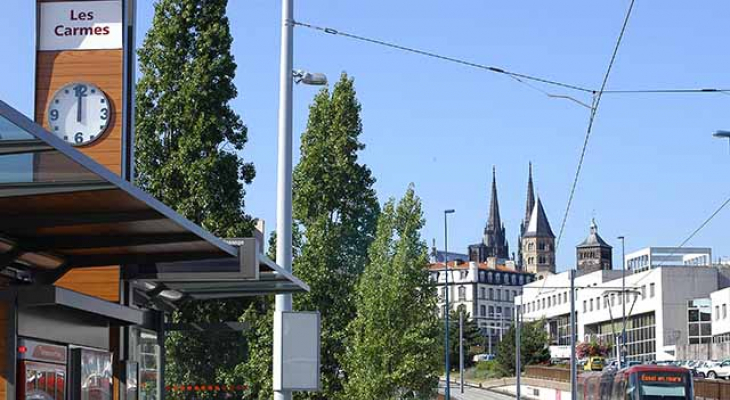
(652, 171)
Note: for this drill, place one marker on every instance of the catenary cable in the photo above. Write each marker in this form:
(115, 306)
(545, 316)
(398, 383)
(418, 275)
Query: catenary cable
(591, 119)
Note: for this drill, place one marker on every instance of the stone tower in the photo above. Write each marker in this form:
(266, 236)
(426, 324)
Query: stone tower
(594, 254)
(538, 243)
(494, 242)
(528, 213)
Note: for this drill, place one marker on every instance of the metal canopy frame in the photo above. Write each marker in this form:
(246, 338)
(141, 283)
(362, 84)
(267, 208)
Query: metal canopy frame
(79, 214)
(53, 296)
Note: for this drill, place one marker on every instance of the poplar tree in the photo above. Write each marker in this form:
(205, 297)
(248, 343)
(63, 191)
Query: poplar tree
(336, 208)
(393, 349)
(188, 142)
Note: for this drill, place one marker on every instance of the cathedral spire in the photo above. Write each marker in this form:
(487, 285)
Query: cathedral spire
(530, 197)
(494, 223)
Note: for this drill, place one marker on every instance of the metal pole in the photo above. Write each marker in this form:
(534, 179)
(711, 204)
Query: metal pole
(518, 356)
(573, 333)
(284, 175)
(623, 302)
(447, 309)
(501, 325)
(461, 350)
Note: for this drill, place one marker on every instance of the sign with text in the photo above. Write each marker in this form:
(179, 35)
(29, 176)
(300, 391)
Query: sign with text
(80, 25)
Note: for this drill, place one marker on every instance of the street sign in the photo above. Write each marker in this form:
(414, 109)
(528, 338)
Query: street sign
(80, 25)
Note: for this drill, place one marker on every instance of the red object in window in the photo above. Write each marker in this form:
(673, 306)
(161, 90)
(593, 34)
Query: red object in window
(22, 349)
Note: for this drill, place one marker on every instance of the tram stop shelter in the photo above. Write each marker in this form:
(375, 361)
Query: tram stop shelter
(90, 264)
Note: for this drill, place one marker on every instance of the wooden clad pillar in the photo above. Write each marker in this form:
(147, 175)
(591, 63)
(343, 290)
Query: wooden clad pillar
(79, 93)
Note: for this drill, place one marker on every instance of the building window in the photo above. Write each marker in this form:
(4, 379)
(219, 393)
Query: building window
(541, 260)
(499, 294)
(541, 245)
(491, 294)
(499, 312)
(717, 313)
(462, 293)
(514, 294)
(585, 306)
(531, 260)
(643, 292)
(621, 298)
(482, 293)
(591, 305)
(651, 289)
(521, 279)
(543, 304)
(565, 297)
(613, 299)
(490, 277)
(491, 311)
(724, 311)
(598, 303)
(483, 310)
(530, 246)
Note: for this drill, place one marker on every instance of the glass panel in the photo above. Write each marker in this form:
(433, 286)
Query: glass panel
(147, 354)
(27, 160)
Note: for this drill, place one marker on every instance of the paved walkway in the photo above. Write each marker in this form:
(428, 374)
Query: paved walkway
(471, 393)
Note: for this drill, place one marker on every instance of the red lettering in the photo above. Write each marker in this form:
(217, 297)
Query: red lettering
(106, 30)
(82, 16)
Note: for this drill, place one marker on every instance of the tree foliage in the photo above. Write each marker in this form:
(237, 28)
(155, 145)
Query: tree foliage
(187, 145)
(336, 208)
(393, 344)
(534, 346)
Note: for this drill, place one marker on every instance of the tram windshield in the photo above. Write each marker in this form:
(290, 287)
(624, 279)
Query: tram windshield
(663, 385)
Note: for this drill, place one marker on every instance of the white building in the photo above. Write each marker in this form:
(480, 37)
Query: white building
(652, 257)
(720, 301)
(657, 314)
(485, 290)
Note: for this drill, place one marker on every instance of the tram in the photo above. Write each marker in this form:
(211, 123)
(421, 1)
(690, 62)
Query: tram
(640, 382)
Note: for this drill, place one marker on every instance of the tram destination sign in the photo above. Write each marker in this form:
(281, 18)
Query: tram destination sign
(80, 25)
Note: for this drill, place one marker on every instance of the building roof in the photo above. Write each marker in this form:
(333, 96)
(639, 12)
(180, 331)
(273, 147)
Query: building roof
(465, 265)
(530, 197)
(539, 225)
(594, 239)
(495, 221)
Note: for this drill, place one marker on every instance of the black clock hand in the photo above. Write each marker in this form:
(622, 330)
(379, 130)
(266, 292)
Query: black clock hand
(78, 108)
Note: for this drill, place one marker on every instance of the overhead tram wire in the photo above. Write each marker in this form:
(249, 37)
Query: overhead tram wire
(514, 75)
(594, 109)
(699, 228)
(493, 69)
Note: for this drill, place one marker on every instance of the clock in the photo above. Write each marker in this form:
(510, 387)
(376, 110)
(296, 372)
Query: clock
(79, 113)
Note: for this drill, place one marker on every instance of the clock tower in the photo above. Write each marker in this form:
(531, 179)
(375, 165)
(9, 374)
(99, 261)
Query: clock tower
(84, 79)
(84, 90)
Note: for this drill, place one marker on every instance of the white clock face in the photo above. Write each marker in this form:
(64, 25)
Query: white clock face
(79, 113)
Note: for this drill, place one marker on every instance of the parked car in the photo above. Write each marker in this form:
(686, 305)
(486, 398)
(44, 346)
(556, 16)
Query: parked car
(714, 369)
(483, 357)
(595, 363)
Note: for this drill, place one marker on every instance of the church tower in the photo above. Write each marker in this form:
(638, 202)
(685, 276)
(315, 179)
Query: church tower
(494, 241)
(594, 254)
(528, 213)
(538, 243)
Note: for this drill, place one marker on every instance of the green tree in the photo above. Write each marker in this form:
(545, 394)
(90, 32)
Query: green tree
(534, 346)
(187, 143)
(393, 344)
(336, 208)
(472, 338)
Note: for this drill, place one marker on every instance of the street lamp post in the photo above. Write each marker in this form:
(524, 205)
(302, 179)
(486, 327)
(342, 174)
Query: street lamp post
(284, 169)
(461, 351)
(446, 300)
(518, 339)
(623, 301)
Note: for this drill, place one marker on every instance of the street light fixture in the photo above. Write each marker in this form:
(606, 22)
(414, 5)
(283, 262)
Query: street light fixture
(722, 135)
(446, 300)
(309, 78)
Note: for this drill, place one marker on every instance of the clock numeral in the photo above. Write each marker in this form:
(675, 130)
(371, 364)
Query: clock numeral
(104, 113)
(80, 90)
(79, 137)
(54, 115)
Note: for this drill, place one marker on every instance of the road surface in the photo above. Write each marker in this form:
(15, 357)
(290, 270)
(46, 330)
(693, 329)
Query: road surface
(471, 393)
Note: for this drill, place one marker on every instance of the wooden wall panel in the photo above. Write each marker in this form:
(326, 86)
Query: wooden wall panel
(102, 282)
(100, 67)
